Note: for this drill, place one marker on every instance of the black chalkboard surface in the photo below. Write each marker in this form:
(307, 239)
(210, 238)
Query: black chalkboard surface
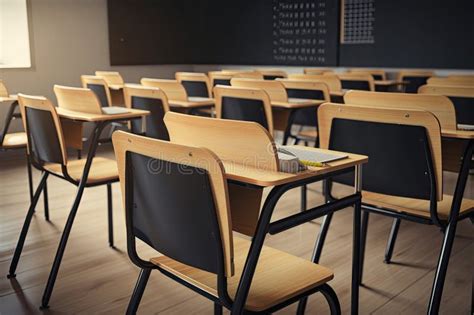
(261, 32)
(408, 34)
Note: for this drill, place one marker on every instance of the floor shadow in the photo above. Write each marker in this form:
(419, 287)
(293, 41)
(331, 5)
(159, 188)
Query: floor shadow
(411, 265)
(26, 305)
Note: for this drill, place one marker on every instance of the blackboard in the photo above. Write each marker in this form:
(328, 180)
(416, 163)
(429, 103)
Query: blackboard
(348, 33)
(408, 33)
(260, 32)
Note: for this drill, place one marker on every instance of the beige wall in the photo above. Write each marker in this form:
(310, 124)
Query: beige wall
(69, 38)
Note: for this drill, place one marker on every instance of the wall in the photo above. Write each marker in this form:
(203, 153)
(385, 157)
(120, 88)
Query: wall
(69, 38)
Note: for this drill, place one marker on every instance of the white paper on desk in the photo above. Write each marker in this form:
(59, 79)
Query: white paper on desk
(114, 110)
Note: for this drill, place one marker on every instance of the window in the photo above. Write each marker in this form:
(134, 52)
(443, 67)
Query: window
(14, 35)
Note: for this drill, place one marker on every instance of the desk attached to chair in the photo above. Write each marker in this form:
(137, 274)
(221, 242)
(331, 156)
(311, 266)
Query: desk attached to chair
(253, 167)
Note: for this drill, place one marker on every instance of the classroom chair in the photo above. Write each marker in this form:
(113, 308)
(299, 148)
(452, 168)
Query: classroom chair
(219, 78)
(331, 80)
(413, 190)
(48, 154)
(175, 91)
(153, 100)
(377, 74)
(462, 98)
(200, 251)
(101, 88)
(306, 117)
(111, 77)
(414, 78)
(247, 104)
(196, 84)
(438, 105)
(357, 81)
(272, 74)
(15, 140)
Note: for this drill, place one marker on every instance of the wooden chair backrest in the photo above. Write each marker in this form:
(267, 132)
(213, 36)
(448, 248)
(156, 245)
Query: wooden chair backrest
(173, 89)
(43, 104)
(221, 92)
(195, 77)
(111, 77)
(329, 111)
(193, 156)
(275, 89)
(242, 142)
(77, 99)
(440, 106)
(332, 80)
(307, 85)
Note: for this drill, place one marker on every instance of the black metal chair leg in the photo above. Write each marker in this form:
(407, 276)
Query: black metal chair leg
(26, 225)
(30, 177)
(363, 239)
(110, 215)
(79, 154)
(356, 259)
(62, 246)
(391, 240)
(440, 276)
(217, 309)
(46, 201)
(318, 248)
(138, 291)
(304, 189)
(332, 299)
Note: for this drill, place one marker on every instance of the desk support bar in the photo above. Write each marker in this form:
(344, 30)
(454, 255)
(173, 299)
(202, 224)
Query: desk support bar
(311, 214)
(263, 227)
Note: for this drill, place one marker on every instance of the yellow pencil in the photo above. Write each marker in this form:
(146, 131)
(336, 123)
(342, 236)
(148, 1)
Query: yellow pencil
(311, 163)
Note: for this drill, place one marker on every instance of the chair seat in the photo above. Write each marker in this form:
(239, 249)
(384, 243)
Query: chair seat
(15, 140)
(102, 170)
(310, 134)
(279, 276)
(416, 206)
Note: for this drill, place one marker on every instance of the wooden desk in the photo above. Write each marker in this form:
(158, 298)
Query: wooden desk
(88, 117)
(191, 105)
(264, 178)
(454, 143)
(389, 85)
(283, 113)
(100, 122)
(259, 222)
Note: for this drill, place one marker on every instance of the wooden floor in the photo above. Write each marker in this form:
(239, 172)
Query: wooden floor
(97, 279)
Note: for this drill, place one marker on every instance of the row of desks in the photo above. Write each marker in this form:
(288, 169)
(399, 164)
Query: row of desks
(243, 175)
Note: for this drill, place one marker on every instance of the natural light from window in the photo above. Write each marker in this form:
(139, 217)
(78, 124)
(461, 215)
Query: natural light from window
(14, 35)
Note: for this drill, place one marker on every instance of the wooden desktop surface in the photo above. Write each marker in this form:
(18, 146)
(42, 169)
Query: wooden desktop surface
(265, 178)
(191, 104)
(88, 117)
(291, 104)
(390, 82)
(457, 134)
